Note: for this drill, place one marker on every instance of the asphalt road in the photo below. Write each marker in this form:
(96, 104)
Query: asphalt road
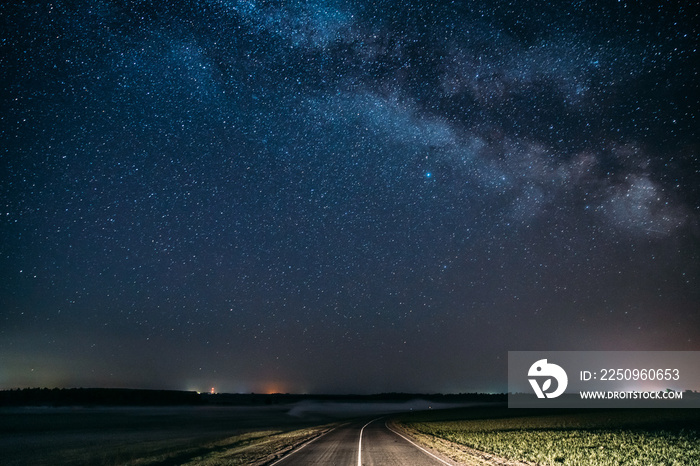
(361, 443)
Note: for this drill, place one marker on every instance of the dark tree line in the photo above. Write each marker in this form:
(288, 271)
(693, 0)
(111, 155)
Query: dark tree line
(131, 397)
(96, 397)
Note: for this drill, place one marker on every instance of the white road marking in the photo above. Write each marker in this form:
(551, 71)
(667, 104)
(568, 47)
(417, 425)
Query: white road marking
(303, 446)
(416, 445)
(359, 447)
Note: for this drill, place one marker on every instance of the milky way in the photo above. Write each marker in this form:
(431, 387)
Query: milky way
(317, 196)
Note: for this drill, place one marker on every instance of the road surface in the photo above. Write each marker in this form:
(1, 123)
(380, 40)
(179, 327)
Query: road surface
(361, 443)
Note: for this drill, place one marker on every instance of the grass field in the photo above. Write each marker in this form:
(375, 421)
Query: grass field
(213, 436)
(151, 436)
(619, 437)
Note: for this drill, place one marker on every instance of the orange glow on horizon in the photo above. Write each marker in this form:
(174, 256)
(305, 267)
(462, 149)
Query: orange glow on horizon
(272, 388)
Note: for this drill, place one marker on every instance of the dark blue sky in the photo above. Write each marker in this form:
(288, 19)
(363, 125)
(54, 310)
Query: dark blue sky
(316, 196)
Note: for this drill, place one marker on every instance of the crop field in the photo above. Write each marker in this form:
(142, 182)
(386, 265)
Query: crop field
(207, 435)
(590, 437)
(151, 436)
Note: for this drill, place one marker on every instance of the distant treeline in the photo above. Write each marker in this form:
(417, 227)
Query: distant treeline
(133, 397)
(284, 398)
(96, 397)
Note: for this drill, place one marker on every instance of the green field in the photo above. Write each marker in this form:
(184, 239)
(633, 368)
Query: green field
(152, 436)
(209, 435)
(590, 437)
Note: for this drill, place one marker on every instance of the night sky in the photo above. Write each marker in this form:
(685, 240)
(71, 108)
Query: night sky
(343, 196)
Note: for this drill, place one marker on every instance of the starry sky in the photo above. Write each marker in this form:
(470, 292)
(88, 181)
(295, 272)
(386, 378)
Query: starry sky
(342, 196)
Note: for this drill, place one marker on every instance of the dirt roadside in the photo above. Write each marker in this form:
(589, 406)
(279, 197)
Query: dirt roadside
(454, 452)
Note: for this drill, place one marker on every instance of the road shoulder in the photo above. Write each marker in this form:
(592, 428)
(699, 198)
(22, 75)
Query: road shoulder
(452, 452)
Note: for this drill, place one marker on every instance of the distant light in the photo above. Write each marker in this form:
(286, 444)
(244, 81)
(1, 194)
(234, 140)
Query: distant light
(212, 390)
(428, 175)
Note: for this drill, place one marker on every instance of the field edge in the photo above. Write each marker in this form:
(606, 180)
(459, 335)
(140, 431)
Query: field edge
(451, 451)
(264, 450)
